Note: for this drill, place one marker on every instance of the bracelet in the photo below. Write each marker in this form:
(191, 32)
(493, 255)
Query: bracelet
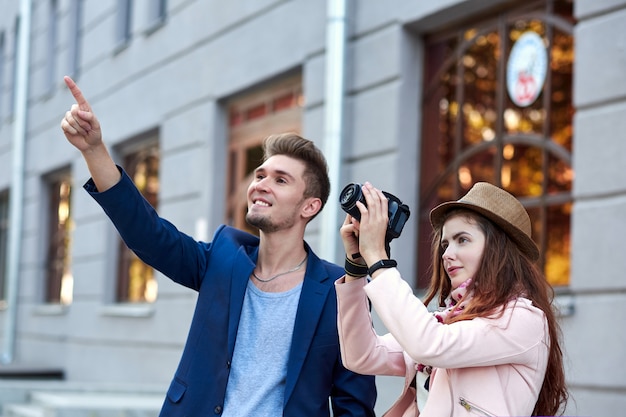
(383, 263)
(355, 270)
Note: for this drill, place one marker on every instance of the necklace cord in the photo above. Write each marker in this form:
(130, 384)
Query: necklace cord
(294, 269)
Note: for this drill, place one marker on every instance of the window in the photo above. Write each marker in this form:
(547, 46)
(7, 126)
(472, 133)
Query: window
(50, 72)
(136, 282)
(59, 280)
(123, 23)
(4, 247)
(253, 116)
(157, 12)
(477, 128)
(76, 11)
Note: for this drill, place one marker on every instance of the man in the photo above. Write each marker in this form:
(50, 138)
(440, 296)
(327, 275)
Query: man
(263, 340)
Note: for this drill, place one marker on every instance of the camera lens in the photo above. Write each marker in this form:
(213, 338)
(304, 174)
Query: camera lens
(350, 194)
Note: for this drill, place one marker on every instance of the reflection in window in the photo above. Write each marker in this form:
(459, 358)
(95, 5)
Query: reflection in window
(59, 279)
(136, 281)
(473, 131)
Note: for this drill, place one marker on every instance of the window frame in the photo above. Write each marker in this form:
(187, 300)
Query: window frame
(433, 177)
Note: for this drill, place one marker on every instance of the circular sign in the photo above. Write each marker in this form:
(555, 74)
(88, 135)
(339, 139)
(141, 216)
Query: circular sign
(526, 69)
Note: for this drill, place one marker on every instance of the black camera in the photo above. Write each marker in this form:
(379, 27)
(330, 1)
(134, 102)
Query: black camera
(398, 212)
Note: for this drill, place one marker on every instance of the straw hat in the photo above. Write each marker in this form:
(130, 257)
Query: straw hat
(498, 206)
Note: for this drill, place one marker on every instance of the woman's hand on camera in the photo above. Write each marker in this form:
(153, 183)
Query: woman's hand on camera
(350, 236)
(373, 225)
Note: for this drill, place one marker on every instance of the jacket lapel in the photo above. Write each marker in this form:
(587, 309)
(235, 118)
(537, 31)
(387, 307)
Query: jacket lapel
(312, 300)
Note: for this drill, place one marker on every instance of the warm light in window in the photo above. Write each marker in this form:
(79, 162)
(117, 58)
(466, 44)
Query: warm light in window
(67, 288)
(488, 134)
(465, 176)
(475, 119)
(482, 71)
(508, 152)
(443, 105)
(568, 174)
(505, 175)
(150, 293)
(511, 119)
(64, 202)
(140, 177)
(470, 33)
(481, 40)
(64, 211)
(536, 116)
(469, 61)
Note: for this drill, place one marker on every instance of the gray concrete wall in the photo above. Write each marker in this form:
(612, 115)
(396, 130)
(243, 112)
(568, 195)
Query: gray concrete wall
(594, 336)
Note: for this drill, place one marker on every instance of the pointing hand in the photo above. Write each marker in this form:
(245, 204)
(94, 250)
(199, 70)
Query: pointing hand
(80, 125)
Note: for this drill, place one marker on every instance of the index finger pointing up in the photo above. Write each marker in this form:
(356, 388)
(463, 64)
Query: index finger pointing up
(78, 95)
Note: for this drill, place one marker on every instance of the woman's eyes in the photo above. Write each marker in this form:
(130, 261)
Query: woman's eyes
(460, 240)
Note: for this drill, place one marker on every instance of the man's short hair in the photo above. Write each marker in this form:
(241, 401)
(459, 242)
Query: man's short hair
(297, 147)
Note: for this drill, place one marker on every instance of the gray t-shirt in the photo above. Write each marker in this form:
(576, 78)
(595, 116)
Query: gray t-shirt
(256, 384)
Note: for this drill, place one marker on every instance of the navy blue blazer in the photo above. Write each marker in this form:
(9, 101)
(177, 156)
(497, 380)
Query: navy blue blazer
(219, 271)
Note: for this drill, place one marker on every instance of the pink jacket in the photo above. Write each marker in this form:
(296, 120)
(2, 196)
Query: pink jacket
(484, 366)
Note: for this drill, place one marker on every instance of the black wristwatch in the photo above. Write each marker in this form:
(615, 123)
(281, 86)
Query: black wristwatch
(383, 263)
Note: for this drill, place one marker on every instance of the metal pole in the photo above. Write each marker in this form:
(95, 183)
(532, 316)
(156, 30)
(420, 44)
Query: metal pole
(16, 195)
(334, 114)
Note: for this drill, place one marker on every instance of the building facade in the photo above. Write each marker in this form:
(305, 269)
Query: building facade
(421, 98)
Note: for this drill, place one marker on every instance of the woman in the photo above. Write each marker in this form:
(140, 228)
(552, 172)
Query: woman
(492, 349)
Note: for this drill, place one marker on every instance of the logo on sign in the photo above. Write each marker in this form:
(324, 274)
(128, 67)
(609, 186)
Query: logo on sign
(526, 69)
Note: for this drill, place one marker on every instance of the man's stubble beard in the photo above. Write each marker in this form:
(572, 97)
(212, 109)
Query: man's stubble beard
(261, 223)
(266, 225)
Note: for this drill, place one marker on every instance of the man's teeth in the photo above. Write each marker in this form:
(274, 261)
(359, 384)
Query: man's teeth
(261, 203)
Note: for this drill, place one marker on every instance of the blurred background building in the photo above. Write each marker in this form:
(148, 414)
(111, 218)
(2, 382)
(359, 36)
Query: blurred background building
(423, 98)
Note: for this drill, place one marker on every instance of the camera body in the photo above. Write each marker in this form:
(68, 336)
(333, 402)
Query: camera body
(398, 212)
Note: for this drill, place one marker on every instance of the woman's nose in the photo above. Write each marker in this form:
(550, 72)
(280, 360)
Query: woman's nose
(448, 253)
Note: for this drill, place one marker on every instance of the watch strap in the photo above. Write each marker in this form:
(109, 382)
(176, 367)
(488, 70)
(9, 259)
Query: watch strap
(354, 269)
(383, 263)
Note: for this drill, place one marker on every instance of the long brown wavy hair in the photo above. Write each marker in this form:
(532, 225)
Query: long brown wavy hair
(504, 274)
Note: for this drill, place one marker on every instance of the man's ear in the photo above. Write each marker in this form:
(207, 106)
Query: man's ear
(311, 207)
